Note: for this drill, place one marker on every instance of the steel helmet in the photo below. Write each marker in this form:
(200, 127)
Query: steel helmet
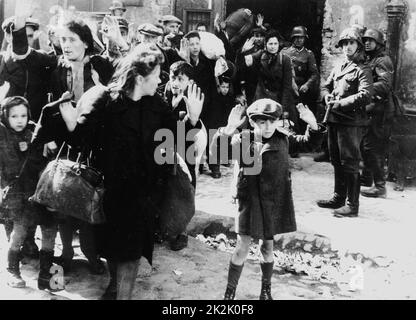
(117, 5)
(374, 34)
(350, 34)
(299, 31)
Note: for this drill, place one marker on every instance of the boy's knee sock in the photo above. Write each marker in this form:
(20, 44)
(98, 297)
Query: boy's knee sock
(234, 273)
(267, 270)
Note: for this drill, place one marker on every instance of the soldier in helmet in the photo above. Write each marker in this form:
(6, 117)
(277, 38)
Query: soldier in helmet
(347, 92)
(117, 9)
(380, 113)
(304, 64)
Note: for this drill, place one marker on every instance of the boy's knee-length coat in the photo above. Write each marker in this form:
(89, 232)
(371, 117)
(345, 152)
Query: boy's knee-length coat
(265, 202)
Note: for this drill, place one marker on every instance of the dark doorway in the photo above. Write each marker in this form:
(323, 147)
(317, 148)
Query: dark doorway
(283, 15)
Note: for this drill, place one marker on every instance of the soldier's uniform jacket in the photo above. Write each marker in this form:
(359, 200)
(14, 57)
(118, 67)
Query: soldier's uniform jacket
(352, 85)
(304, 65)
(382, 71)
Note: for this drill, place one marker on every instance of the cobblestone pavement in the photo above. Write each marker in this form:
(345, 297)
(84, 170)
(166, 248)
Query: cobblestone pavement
(369, 257)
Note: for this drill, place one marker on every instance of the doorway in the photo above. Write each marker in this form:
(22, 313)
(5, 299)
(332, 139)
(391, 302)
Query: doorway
(283, 15)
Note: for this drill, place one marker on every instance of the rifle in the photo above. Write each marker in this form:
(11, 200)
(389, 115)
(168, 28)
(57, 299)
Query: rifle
(329, 109)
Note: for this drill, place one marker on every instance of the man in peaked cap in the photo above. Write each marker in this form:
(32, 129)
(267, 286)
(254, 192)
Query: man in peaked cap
(171, 24)
(117, 8)
(149, 32)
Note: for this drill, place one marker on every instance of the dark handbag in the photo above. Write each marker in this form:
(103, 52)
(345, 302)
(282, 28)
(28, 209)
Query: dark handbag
(73, 189)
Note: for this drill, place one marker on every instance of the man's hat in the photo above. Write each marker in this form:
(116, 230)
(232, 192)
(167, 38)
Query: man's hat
(117, 5)
(7, 24)
(170, 18)
(149, 29)
(265, 108)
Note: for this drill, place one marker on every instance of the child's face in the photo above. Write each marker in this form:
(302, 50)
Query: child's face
(263, 127)
(179, 83)
(18, 118)
(224, 88)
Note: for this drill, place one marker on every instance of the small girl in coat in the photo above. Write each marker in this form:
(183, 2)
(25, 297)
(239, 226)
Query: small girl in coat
(264, 190)
(15, 137)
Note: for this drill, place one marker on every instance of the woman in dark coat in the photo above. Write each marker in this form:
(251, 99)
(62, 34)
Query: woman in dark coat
(274, 70)
(120, 128)
(77, 70)
(264, 187)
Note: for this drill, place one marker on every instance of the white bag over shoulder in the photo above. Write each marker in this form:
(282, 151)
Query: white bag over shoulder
(211, 46)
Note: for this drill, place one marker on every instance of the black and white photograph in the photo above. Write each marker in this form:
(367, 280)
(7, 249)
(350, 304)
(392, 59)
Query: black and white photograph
(176, 151)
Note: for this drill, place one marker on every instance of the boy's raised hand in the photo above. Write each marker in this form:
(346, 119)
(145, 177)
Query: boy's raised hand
(235, 119)
(194, 103)
(307, 115)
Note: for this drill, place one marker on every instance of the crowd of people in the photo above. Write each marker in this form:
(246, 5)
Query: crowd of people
(109, 92)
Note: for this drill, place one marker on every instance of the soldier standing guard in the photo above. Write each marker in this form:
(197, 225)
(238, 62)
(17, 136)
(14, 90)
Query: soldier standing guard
(347, 92)
(380, 112)
(304, 65)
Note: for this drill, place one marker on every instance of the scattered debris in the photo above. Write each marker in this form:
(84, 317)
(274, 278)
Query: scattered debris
(178, 272)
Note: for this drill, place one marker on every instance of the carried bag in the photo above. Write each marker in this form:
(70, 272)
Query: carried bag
(73, 189)
(178, 206)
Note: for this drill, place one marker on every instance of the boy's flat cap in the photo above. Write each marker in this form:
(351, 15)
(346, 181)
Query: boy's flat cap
(265, 108)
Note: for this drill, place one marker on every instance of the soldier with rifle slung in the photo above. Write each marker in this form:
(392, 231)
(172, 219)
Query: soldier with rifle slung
(347, 91)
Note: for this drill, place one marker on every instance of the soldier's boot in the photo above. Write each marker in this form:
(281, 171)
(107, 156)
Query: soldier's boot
(353, 187)
(266, 281)
(234, 273)
(14, 280)
(340, 192)
(45, 275)
(379, 189)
